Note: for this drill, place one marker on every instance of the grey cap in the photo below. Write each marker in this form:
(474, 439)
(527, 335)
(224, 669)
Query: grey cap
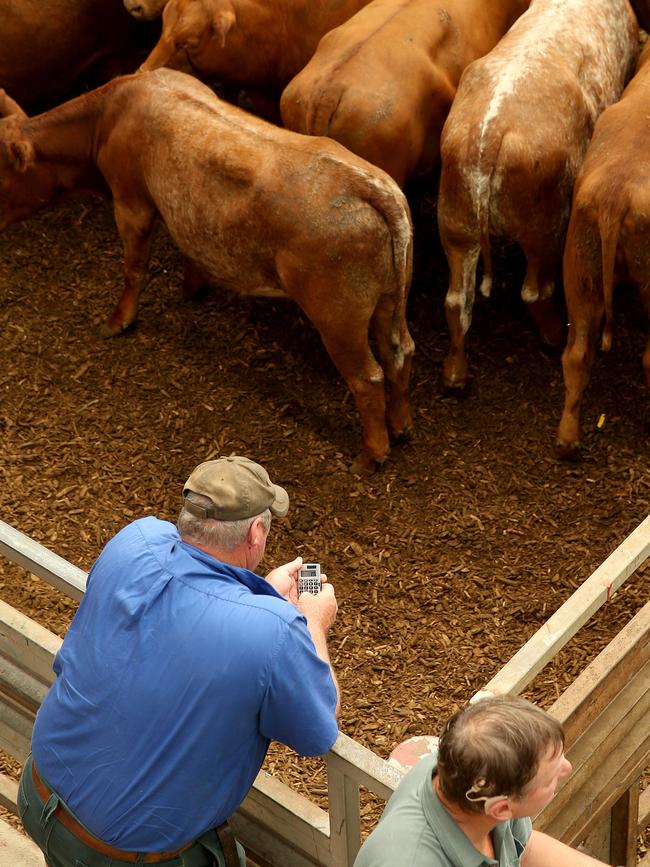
(238, 487)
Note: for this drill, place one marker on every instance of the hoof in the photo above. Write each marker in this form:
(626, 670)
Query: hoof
(109, 330)
(568, 451)
(454, 388)
(403, 435)
(364, 465)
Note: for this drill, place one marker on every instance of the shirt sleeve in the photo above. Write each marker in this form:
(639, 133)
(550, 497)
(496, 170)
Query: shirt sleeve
(299, 702)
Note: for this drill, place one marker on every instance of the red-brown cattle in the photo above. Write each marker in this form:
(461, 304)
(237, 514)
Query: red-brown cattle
(46, 47)
(607, 240)
(254, 44)
(512, 146)
(382, 83)
(259, 209)
(145, 10)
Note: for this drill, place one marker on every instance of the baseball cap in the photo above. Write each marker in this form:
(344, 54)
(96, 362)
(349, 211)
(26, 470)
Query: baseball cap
(238, 487)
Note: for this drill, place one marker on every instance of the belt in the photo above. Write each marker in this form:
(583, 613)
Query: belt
(69, 822)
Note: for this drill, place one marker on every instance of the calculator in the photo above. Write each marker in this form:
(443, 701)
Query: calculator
(309, 578)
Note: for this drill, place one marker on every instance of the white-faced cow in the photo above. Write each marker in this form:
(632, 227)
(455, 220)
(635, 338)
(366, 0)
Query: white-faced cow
(259, 209)
(382, 82)
(512, 146)
(607, 240)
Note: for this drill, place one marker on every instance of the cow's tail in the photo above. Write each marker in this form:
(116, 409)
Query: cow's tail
(385, 196)
(609, 226)
(484, 161)
(483, 218)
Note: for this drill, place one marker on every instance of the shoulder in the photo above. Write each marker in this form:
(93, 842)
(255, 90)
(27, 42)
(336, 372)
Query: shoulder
(140, 545)
(409, 844)
(141, 533)
(404, 835)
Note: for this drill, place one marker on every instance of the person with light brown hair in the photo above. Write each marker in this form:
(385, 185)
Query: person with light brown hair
(470, 802)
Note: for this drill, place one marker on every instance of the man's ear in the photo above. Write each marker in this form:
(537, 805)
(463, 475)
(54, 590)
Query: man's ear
(256, 532)
(499, 810)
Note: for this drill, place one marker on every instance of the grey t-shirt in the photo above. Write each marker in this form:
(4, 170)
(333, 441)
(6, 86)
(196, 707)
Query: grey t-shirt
(415, 830)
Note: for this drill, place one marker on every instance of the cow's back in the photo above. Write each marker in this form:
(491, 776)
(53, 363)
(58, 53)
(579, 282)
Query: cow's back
(228, 184)
(526, 110)
(382, 83)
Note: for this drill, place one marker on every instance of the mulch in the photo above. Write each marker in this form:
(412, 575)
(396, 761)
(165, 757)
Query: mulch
(444, 562)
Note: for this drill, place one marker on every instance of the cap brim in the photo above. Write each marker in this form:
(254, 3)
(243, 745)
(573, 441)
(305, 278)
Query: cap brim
(280, 506)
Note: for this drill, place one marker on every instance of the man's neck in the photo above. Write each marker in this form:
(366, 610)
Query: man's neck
(235, 557)
(477, 827)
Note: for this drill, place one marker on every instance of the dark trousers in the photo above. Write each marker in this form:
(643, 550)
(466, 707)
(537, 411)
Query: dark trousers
(63, 849)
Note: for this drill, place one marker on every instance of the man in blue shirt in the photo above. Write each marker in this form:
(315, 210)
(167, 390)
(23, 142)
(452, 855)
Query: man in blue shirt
(469, 803)
(179, 667)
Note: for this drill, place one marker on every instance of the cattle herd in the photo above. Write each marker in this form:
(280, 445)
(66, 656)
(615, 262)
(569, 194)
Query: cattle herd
(536, 114)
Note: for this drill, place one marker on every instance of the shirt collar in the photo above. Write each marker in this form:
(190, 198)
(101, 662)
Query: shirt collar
(254, 582)
(453, 840)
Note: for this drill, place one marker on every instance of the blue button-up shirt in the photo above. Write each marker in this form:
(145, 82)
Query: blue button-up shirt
(175, 674)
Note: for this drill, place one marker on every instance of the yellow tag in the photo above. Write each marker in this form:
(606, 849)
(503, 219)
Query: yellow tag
(601, 421)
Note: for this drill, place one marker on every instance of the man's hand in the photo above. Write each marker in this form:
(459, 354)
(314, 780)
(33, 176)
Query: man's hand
(285, 579)
(319, 609)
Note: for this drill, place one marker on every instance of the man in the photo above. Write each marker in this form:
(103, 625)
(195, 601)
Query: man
(179, 667)
(469, 804)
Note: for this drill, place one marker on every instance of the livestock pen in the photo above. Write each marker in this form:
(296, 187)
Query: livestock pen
(605, 711)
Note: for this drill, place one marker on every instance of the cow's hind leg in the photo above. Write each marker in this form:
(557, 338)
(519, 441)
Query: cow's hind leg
(577, 361)
(136, 228)
(395, 348)
(458, 308)
(537, 291)
(355, 362)
(346, 341)
(343, 323)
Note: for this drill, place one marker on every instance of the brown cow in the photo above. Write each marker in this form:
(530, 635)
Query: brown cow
(261, 210)
(45, 48)
(607, 239)
(512, 146)
(383, 82)
(254, 44)
(145, 10)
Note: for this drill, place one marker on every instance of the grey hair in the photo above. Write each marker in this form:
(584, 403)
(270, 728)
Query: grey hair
(210, 533)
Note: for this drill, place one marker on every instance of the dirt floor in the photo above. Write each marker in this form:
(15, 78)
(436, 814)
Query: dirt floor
(444, 562)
